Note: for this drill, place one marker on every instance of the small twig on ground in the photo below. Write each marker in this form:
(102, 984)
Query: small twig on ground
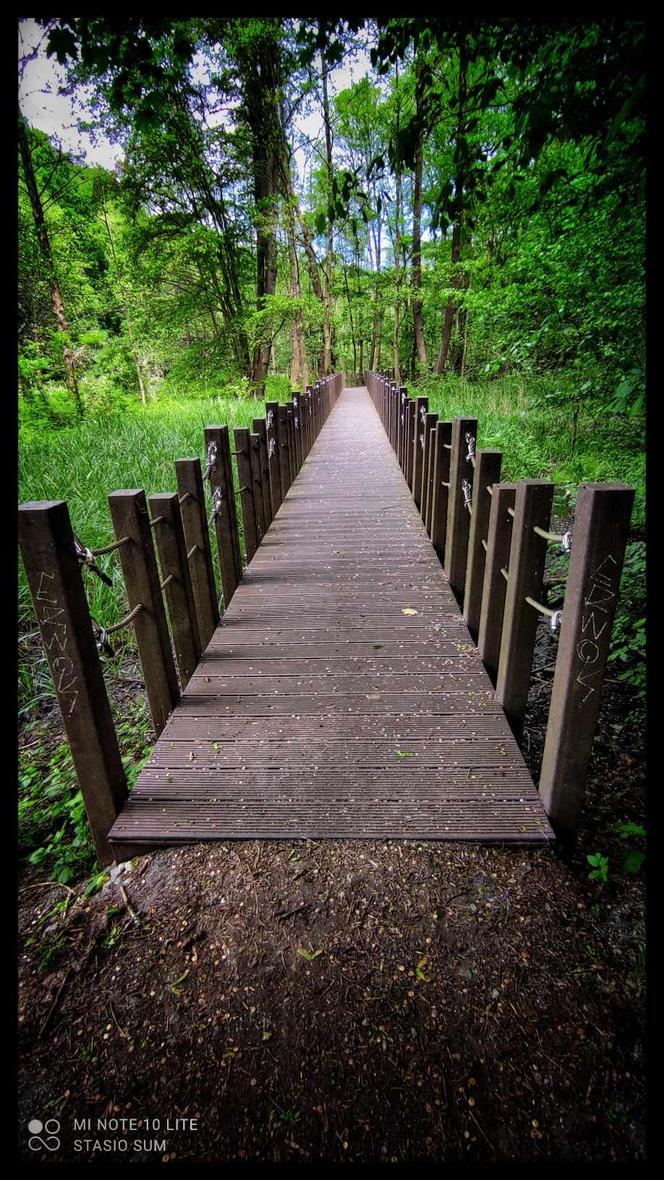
(53, 1006)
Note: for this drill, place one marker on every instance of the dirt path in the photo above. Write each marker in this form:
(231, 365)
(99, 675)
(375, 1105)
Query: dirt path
(341, 1001)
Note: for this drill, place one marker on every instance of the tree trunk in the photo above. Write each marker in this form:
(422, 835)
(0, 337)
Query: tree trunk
(44, 242)
(329, 252)
(299, 367)
(460, 153)
(260, 63)
(418, 321)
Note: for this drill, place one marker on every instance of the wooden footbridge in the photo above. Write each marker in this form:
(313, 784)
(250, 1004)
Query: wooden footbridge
(343, 692)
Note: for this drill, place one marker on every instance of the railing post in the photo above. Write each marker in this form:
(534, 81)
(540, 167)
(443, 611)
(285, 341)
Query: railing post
(257, 484)
(297, 427)
(411, 413)
(176, 582)
(431, 459)
(429, 425)
(218, 447)
(305, 402)
(284, 460)
(494, 587)
(532, 508)
(314, 412)
(242, 446)
(487, 473)
(291, 441)
(61, 606)
(403, 399)
(129, 513)
(260, 428)
(458, 517)
(601, 524)
(197, 537)
(441, 487)
(274, 453)
(421, 408)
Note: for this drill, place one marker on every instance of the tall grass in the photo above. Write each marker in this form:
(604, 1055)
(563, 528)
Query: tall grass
(83, 463)
(531, 422)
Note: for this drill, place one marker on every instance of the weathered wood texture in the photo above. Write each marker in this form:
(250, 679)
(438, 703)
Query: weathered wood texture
(487, 472)
(197, 537)
(176, 581)
(129, 514)
(458, 518)
(340, 695)
(223, 502)
(601, 524)
(440, 487)
(532, 509)
(61, 608)
(492, 609)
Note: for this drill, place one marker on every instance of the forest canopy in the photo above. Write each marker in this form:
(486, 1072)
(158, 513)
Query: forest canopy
(474, 204)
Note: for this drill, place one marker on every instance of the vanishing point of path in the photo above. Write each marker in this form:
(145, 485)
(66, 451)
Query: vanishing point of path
(341, 694)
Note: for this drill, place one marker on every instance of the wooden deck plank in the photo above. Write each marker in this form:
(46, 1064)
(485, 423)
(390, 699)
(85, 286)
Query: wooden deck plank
(323, 706)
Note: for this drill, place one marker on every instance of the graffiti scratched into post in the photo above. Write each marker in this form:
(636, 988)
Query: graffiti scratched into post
(598, 607)
(52, 620)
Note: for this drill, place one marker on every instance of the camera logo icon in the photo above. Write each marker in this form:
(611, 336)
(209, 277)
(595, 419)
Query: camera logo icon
(44, 1135)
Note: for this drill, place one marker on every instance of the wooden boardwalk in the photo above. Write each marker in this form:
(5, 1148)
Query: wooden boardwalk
(341, 694)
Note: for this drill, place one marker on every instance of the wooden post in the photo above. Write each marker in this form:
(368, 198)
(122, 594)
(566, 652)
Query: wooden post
(306, 423)
(312, 413)
(601, 524)
(197, 538)
(431, 457)
(532, 508)
(429, 425)
(487, 473)
(274, 453)
(458, 517)
(217, 446)
(494, 587)
(284, 462)
(410, 430)
(441, 487)
(297, 428)
(311, 426)
(260, 428)
(246, 491)
(403, 400)
(61, 606)
(421, 408)
(129, 513)
(257, 484)
(291, 441)
(176, 582)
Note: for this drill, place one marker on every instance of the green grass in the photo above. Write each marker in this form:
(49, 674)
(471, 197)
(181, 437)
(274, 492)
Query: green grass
(530, 421)
(82, 463)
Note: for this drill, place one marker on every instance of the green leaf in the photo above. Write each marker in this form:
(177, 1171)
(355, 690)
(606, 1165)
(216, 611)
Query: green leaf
(629, 829)
(632, 861)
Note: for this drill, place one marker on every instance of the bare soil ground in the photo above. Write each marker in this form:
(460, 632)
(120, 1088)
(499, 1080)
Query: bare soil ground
(349, 1001)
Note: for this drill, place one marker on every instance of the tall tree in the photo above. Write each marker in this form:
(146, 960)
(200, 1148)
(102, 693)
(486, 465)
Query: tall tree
(418, 320)
(44, 241)
(460, 163)
(329, 240)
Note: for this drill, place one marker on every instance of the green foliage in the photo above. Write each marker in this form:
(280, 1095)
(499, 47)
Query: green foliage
(600, 867)
(52, 821)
